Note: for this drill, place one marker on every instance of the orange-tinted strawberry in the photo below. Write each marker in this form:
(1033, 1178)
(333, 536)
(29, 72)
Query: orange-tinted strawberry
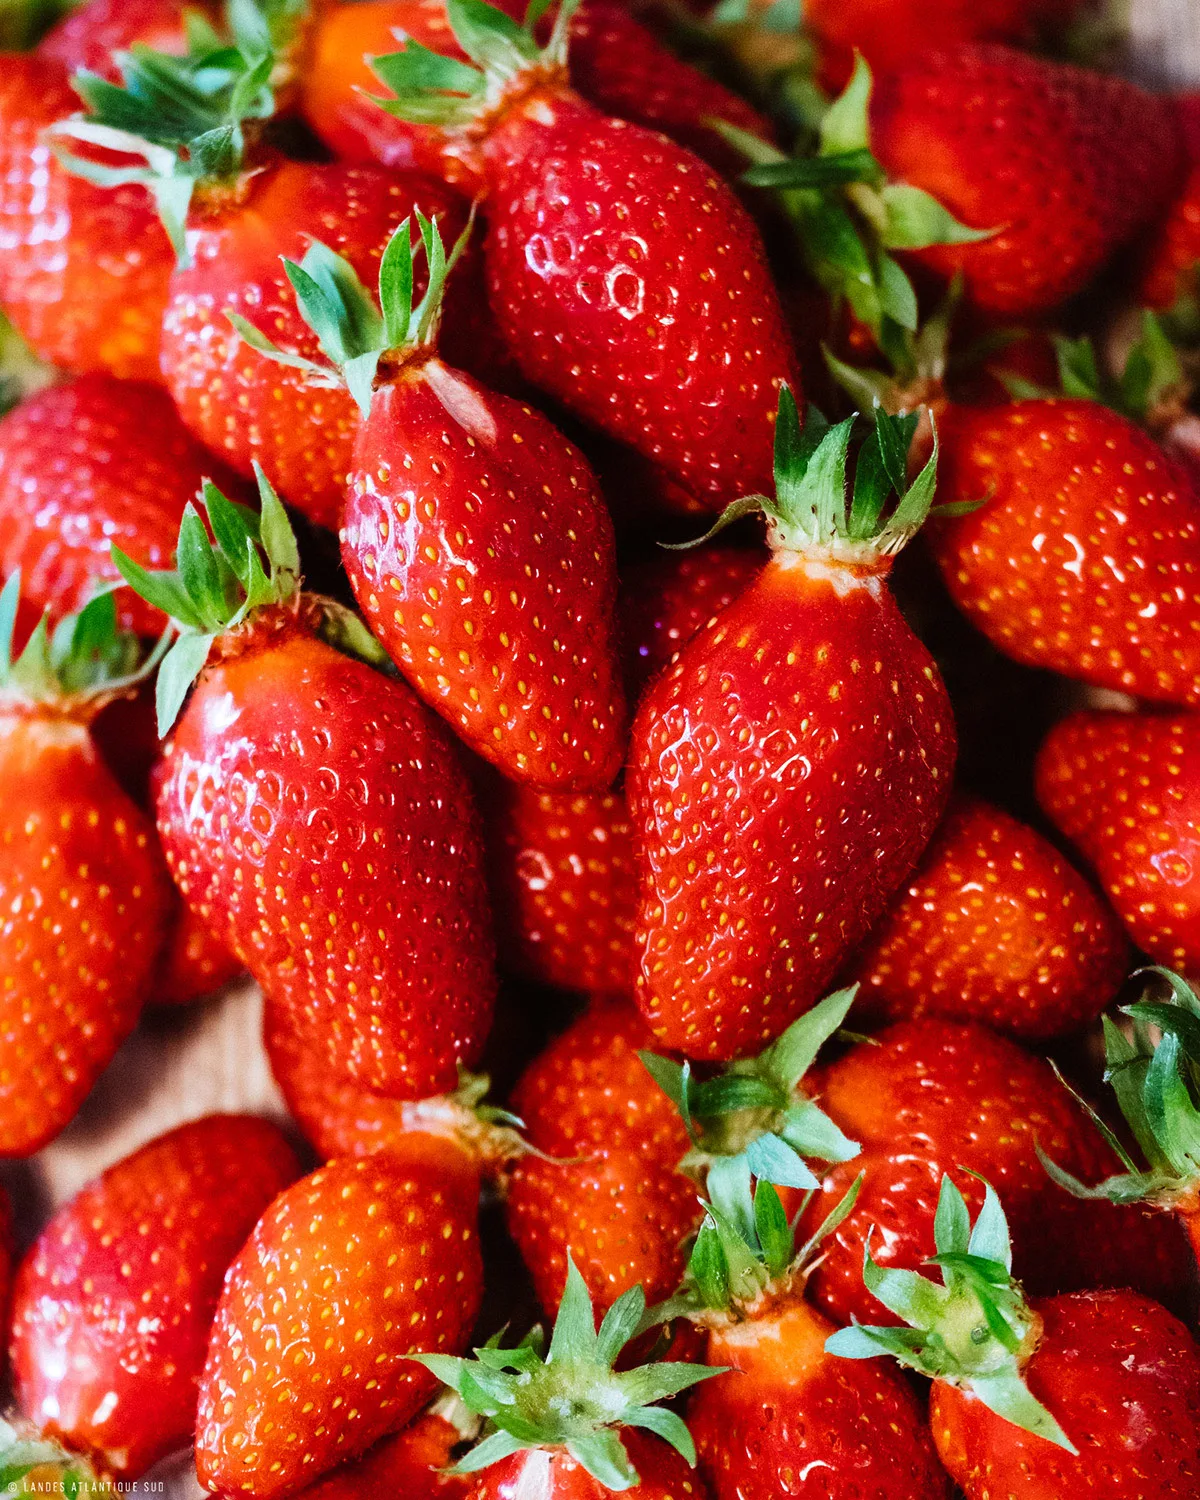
(414, 1463)
(83, 270)
(994, 926)
(83, 888)
(112, 1305)
(563, 886)
(1085, 553)
(1125, 789)
(352, 1270)
(84, 465)
(1065, 165)
(315, 815)
(791, 765)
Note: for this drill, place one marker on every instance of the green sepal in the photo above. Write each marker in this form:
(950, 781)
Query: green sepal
(755, 1112)
(21, 372)
(973, 1328)
(84, 657)
(183, 118)
(428, 88)
(23, 1453)
(353, 329)
(570, 1395)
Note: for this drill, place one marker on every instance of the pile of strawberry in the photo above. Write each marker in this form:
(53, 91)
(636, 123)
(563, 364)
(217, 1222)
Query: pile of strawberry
(750, 708)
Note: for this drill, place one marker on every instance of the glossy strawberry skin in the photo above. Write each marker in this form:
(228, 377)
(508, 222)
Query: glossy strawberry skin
(588, 1091)
(239, 404)
(994, 926)
(351, 1270)
(83, 269)
(317, 818)
(623, 1217)
(412, 1464)
(481, 553)
(1125, 789)
(552, 1474)
(112, 1305)
(791, 1419)
(665, 600)
(787, 772)
(563, 886)
(84, 465)
(933, 1097)
(1065, 164)
(600, 235)
(1121, 1375)
(1085, 557)
(85, 900)
(193, 964)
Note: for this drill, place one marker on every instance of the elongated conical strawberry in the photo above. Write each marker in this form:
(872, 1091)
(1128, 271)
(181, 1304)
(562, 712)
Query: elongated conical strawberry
(113, 1303)
(314, 814)
(83, 888)
(475, 536)
(791, 765)
(628, 281)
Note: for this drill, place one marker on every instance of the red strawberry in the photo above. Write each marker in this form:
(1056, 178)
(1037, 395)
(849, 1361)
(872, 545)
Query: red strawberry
(1125, 788)
(415, 1463)
(89, 35)
(84, 465)
(475, 536)
(193, 964)
(565, 1420)
(83, 889)
(599, 233)
(1085, 555)
(994, 926)
(790, 766)
(929, 1098)
(1173, 254)
(563, 886)
(315, 816)
(112, 1305)
(83, 270)
(616, 63)
(1064, 164)
(665, 600)
(1099, 1391)
(351, 1271)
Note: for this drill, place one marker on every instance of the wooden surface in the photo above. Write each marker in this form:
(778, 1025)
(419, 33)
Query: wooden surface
(182, 1065)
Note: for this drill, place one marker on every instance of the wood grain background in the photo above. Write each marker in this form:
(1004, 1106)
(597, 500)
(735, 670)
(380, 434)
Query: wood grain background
(182, 1065)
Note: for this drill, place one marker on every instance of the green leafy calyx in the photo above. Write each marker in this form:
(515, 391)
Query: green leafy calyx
(1155, 1074)
(33, 1465)
(184, 118)
(77, 665)
(569, 1396)
(756, 1109)
(848, 217)
(972, 1328)
(428, 88)
(356, 332)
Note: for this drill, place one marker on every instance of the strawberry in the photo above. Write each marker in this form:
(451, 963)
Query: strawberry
(1172, 256)
(565, 1421)
(804, 730)
(416, 1463)
(1063, 164)
(599, 231)
(83, 887)
(563, 886)
(476, 539)
(787, 1408)
(616, 63)
(927, 1098)
(1125, 789)
(88, 35)
(1097, 1391)
(83, 270)
(313, 814)
(665, 600)
(112, 1305)
(1085, 555)
(350, 1271)
(83, 465)
(994, 926)
(193, 964)
(244, 208)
